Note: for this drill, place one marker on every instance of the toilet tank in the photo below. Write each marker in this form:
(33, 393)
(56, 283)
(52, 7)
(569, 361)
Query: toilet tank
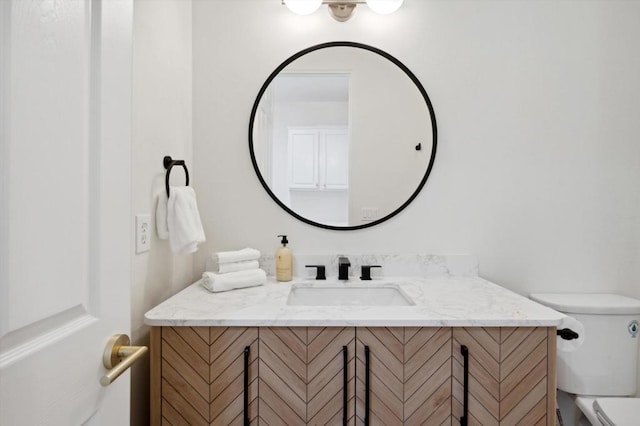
(606, 363)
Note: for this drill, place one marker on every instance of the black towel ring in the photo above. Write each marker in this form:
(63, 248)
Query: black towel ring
(168, 163)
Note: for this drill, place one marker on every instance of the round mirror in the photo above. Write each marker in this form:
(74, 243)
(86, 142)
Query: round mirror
(342, 136)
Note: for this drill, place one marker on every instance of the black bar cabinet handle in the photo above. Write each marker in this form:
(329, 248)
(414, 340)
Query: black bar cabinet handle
(247, 350)
(366, 386)
(345, 381)
(465, 405)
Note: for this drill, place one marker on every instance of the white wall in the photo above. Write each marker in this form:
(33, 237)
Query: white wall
(389, 118)
(538, 157)
(162, 125)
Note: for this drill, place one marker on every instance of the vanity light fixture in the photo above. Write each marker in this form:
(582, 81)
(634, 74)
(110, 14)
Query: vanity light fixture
(302, 7)
(342, 10)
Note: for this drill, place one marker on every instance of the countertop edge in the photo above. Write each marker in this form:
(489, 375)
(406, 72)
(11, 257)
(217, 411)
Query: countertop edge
(353, 323)
(459, 302)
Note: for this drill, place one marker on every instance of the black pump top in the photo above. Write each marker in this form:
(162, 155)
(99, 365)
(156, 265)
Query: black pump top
(284, 240)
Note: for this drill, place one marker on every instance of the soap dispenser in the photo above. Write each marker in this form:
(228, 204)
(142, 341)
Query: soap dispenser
(284, 261)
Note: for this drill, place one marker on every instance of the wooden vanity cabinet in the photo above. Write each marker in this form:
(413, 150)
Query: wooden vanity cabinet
(297, 376)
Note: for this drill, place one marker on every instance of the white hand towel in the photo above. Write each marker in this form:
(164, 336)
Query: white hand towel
(161, 216)
(224, 268)
(241, 279)
(183, 220)
(235, 256)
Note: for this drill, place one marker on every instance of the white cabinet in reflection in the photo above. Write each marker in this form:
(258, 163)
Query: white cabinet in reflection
(319, 158)
(304, 158)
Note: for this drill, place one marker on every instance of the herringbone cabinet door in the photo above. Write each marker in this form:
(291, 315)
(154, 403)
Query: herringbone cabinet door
(427, 376)
(203, 375)
(302, 375)
(283, 376)
(326, 375)
(410, 375)
(386, 375)
(508, 375)
(524, 376)
(226, 354)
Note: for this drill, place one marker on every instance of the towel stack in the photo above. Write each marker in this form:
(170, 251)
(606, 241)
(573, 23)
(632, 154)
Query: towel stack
(228, 270)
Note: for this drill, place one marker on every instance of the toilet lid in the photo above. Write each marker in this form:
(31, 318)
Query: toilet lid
(618, 411)
(589, 303)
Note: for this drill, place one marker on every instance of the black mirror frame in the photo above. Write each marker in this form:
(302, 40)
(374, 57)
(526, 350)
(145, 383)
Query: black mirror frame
(384, 55)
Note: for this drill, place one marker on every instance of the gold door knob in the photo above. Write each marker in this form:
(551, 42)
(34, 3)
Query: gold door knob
(118, 356)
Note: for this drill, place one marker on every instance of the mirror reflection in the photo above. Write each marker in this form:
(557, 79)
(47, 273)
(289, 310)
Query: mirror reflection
(342, 136)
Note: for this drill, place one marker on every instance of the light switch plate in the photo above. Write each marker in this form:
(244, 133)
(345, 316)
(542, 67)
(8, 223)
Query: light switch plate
(143, 233)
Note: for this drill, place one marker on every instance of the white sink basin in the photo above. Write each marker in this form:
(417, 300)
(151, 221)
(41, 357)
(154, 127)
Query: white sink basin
(348, 295)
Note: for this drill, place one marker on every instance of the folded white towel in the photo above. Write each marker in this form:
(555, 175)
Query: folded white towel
(241, 279)
(161, 216)
(183, 220)
(235, 256)
(224, 268)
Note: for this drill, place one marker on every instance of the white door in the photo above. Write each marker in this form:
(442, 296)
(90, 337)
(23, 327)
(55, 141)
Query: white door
(303, 159)
(64, 208)
(336, 158)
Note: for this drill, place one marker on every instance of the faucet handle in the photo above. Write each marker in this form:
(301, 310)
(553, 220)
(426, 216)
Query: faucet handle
(366, 272)
(320, 271)
(344, 260)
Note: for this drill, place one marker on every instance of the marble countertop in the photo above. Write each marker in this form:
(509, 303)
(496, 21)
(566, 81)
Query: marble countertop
(451, 301)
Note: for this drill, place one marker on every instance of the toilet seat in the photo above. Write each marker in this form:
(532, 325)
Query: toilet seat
(610, 411)
(617, 411)
(585, 403)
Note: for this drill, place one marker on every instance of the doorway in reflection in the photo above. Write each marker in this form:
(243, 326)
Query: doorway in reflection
(306, 125)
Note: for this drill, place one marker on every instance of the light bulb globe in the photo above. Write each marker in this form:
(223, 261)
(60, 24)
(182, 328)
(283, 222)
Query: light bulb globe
(384, 7)
(303, 7)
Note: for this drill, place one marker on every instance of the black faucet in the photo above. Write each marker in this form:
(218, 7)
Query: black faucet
(343, 268)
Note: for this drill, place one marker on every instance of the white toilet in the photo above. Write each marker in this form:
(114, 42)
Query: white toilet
(602, 373)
